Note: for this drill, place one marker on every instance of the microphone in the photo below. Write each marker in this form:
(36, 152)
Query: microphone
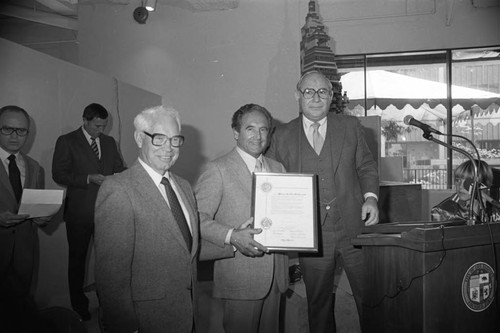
(468, 187)
(409, 120)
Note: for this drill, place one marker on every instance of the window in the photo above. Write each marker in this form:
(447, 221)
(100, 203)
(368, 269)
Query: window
(462, 101)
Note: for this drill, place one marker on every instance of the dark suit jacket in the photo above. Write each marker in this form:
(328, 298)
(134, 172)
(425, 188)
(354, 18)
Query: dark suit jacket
(17, 243)
(143, 266)
(224, 195)
(355, 170)
(73, 161)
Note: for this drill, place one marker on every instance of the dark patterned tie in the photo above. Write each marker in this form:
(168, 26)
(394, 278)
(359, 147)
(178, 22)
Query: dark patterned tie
(15, 177)
(176, 209)
(94, 147)
(317, 138)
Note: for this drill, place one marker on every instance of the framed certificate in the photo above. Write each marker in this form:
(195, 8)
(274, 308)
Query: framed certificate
(284, 206)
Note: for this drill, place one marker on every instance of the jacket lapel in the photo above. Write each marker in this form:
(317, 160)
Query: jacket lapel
(150, 192)
(335, 135)
(193, 217)
(28, 173)
(4, 180)
(238, 170)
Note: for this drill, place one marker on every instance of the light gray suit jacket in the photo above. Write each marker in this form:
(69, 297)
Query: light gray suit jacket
(145, 274)
(224, 196)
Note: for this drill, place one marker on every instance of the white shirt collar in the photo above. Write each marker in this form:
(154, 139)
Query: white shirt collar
(153, 174)
(307, 122)
(88, 136)
(249, 160)
(5, 154)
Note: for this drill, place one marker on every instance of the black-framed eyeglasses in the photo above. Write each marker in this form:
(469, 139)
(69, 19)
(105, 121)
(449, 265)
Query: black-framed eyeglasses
(160, 139)
(309, 93)
(9, 130)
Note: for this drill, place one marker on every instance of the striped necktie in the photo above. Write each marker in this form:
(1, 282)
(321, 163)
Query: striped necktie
(94, 147)
(176, 209)
(317, 138)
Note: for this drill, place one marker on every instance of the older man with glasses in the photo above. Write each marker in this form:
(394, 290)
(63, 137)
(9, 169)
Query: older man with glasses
(333, 147)
(18, 233)
(146, 235)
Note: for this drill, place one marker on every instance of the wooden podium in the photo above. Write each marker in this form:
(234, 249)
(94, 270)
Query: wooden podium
(425, 277)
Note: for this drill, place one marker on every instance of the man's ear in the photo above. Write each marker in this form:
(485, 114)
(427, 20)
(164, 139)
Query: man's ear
(297, 95)
(236, 134)
(138, 138)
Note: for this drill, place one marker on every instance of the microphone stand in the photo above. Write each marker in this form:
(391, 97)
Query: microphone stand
(427, 135)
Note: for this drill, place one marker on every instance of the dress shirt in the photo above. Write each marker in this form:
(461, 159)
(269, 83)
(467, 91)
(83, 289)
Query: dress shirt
(157, 180)
(4, 156)
(250, 161)
(307, 123)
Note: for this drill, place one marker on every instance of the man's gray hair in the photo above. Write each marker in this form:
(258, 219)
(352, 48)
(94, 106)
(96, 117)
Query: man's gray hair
(306, 74)
(146, 119)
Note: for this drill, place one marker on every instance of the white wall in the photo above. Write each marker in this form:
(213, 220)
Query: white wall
(208, 64)
(54, 93)
(205, 64)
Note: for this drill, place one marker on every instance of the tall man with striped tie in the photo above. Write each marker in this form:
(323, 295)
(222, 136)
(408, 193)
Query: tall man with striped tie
(82, 160)
(333, 147)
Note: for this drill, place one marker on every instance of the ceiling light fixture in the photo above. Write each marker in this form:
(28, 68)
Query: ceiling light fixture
(141, 15)
(150, 5)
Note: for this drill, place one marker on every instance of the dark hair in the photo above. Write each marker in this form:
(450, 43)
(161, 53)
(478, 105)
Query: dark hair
(15, 108)
(248, 108)
(95, 110)
(484, 172)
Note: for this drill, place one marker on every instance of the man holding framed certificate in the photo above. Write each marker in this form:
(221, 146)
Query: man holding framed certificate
(250, 279)
(333, 147)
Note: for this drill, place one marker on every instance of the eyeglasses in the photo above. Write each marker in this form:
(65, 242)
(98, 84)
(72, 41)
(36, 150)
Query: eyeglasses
(160, 139)
(10, 130)
(309, 93)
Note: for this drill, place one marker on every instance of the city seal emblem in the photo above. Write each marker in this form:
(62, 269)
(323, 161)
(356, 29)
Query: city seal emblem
(478, 287)
(266, 223)
(266, 187)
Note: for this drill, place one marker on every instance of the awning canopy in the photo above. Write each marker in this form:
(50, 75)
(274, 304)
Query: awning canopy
(387, 88)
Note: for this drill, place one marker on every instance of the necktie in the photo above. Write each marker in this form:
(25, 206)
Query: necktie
(93, 145)
(258, 166)
(317, 138)
(15, 177)
(176, 209)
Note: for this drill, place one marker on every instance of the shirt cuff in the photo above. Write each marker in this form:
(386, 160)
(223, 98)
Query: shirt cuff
(370, 195)
(228, 236)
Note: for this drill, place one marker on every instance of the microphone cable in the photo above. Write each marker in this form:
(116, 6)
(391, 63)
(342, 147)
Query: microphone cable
(401, 289)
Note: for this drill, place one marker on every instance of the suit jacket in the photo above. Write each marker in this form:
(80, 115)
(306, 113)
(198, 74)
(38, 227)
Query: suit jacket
(141, 255)
(72, 162)
(355, 170)
(224, 196)
(17, 243)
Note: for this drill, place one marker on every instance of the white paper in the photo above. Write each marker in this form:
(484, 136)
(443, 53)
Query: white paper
(282, 207)
(40, 203)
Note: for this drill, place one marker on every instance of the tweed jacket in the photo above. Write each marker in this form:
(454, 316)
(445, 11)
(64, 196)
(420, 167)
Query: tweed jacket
(141, 255)
(223, 193)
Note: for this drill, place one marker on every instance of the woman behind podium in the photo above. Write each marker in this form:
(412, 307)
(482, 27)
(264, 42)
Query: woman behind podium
(457, 206)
